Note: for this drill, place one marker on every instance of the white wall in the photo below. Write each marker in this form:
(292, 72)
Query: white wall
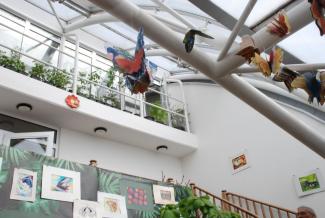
(225, 126)
(115, 156)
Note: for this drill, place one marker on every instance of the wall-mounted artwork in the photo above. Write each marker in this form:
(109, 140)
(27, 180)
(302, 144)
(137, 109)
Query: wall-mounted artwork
(309, 183)
(138, 195)
(239, 162)
(60, 184)
(86, 209)
(164, 194)
(112, 205)
(24, 185)
(0, 163)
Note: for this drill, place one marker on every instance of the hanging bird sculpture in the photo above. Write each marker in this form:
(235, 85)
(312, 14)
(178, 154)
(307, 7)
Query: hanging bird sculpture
(317, 11)
(310, 84)
(189, 39)
(280, 25)
(247, 48)
(137, 77)
(287, 76)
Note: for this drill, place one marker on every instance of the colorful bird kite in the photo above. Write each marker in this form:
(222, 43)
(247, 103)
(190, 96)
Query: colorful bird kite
(287, 76)
(317, 11)
(137, 77)
(189, 39)
(310, 84)
(280, 25)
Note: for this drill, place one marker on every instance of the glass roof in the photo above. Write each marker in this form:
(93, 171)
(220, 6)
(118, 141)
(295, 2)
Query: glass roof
(121, 35)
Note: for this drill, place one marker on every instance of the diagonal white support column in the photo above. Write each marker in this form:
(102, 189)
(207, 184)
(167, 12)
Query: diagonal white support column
(299, 17)
(296, 67)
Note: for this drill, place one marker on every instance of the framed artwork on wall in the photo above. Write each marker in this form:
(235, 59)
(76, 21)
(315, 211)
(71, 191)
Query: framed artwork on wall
(86, 209)
(309, 183)
(60, 184)
(0, 163)
(112, 205)
(164, 194)
(239, 162)
(24, 185)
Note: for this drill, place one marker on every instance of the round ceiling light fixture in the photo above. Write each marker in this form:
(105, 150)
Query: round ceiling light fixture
(24, 107)
(100, 130)
(162, 148)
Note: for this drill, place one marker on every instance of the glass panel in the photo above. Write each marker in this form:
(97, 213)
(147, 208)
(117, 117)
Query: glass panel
(36, 145)
(306, 44)
(262, 8)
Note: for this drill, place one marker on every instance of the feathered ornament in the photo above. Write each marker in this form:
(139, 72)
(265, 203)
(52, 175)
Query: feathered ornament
(322, 87)
(262, 65)
(287, 76)
(189, 39)
(275, 60)
(247, 48)
(317, 11)
(310, 84)
(137, 77)
(280, 25)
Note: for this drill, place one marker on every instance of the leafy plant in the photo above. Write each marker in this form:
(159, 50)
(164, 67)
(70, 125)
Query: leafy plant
(160, 115)
(177, 120)
(39, 72)
(110, 77)
(189, 207)
(82, 85)
(58, 78)
(13, 62)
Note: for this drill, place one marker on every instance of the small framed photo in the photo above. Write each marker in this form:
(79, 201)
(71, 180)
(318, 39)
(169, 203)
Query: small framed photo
(164, 194)
(0, 163)
(113, 206)
(24, 185)
(60, 184)
(86, 209)
(309, 183)
(239, 162)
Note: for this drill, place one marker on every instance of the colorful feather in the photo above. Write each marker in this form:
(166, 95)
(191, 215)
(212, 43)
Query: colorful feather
(316, 10)
(287, 76)
(275, 61)
(280, 25)
(262, 64)
(247, 48)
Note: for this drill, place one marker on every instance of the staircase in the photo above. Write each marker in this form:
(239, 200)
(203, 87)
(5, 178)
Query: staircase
(261, 209)
(245, 207)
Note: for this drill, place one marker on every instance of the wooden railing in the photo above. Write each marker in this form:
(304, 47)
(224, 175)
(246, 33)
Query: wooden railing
(222, 203)
(262, 209)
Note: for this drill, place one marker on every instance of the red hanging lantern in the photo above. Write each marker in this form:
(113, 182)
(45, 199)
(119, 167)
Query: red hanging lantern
(72, 101)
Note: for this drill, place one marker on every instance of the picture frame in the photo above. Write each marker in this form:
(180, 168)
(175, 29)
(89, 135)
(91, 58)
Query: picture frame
(112, 205)
(163, 194)
(24, 185)
(239, 162)
(60, 184)
(86, 209)
(1, 159)
(308, 183)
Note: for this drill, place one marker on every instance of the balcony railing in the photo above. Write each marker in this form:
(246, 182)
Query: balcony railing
(154, 105)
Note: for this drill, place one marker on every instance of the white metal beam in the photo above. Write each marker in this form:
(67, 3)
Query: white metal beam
(299, 16)
(296, 67)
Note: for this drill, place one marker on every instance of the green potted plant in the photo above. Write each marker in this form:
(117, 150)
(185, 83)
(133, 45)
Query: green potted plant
(13, 62)
(39, 72)
(191, 206)
(178, 121)
(158, 114)
(57, 78)
(82, 89)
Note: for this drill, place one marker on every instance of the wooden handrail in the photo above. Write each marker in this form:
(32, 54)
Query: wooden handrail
(254, 202)
(226, 205)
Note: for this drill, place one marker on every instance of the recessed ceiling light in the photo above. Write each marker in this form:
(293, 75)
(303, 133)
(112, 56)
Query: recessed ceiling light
(100, 130)
(162, 148)
(24, 107)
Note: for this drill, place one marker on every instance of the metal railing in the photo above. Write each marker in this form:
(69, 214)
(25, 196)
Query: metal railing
(113, 96)
(222, 203)
(262, 209)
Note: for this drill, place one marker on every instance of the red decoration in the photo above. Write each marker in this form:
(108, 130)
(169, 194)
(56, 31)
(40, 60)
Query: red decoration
(72, 101)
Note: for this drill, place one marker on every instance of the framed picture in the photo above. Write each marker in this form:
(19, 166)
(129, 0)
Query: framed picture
(239, 162)
(112, 205)
(24, 185)
(60, 184)
(164, 194)
(309, 183)
(86, 209)
(0, 163)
